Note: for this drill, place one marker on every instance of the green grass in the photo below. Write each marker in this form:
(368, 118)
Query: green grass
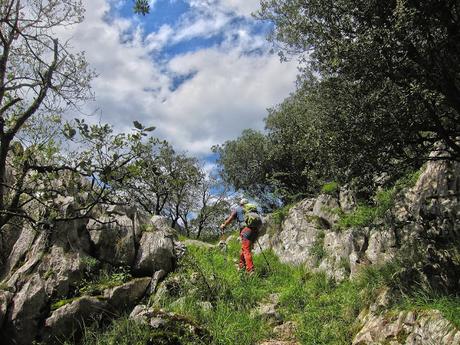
(125, 331)
(317, 250)
(449, 306)
(94, 285)
(280, 214)
(366, 214)
(62, 302)
(326, 312)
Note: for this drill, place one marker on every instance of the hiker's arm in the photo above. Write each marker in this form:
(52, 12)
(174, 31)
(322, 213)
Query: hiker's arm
(228, 220)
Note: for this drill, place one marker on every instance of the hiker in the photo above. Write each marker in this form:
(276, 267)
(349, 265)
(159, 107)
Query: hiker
(247, 216)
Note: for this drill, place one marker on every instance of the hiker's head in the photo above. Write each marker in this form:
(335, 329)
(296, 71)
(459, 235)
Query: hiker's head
(243, 201)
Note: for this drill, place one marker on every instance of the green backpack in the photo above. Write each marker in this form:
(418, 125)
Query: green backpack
(252, 218)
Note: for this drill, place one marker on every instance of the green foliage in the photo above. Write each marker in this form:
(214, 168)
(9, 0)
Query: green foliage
(364, 215)
(94, 285)
(383, 64)
(331, 188)
(141, 7)
(62, 302)
(243, 162)
(317, 250)
(280, 214)
(125, 331)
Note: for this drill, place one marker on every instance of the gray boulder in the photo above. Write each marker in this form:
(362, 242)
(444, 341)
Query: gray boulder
(114, 239)
(127, 295)
(326, 208)
(22, 245)
(157, 248)
(60, 270)
(69, 320)
(26, 311)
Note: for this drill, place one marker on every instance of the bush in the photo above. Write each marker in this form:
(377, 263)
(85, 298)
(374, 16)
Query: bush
(280, 214)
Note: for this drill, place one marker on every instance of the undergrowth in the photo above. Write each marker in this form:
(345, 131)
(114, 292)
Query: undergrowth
(325, 311)
(208, 290)
(365, 214)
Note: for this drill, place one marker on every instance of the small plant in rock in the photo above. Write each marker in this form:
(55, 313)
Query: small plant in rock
(280, 214)
(331, 188)
(104, 280)
(317, 250)
(62, 302)
(90, 264)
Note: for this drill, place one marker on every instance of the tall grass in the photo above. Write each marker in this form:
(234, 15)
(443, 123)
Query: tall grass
(325, 311)
(212, 293)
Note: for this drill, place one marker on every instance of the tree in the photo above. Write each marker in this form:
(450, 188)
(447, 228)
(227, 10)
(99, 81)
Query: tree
(38, 75)
(402, 54)
(40, 79)
(184, 179)
(141, 7)
(212, 204)
(244, 162)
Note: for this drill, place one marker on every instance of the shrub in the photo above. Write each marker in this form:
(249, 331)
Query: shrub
(280, 214)
(317, 250)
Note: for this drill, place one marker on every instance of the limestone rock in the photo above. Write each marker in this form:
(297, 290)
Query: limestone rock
(5, 299)
(60, 270)
(20, 249)
(171, 323)
(22, 322)
(156, 249)
(68, 320)
(381, 246)
(346, 200)
(326, 208)
(267, 310)
(114, 239)
(299, 231)
(286, 331)
(128, 294)
(156, 279)
(408, 328)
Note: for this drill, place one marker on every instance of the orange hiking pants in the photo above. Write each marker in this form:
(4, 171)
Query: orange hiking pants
(246, 246)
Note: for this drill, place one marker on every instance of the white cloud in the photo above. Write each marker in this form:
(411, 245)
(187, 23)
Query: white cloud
(242, 7)
(229, 90)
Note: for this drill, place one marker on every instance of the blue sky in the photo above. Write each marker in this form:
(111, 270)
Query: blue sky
(199, 70)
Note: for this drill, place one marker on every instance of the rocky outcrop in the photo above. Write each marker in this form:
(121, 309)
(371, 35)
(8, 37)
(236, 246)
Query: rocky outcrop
(156, 248)
(127, 295)
(408, 328)
(114, 239)
(171, 326)
(422, 226)
(48, 265)
(26, 310)
(67, 321)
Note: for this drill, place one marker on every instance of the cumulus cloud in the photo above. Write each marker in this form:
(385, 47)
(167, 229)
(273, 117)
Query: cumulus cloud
(224, 89)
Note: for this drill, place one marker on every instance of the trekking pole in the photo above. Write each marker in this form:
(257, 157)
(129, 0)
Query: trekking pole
(223, 246)
(262, 252)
